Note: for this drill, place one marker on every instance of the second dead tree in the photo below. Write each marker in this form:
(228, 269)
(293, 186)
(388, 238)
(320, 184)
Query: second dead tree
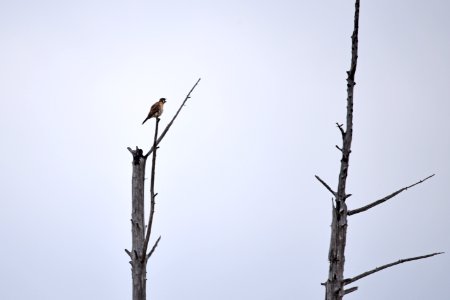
(334, 286)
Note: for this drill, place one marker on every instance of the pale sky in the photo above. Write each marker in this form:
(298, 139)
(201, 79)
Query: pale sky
(239, 210)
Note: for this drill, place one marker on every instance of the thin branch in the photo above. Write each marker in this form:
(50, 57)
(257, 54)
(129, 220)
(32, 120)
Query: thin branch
(350, 280)
(153, 248)
(375, 203)
(129, 253)
(350, 290)
(325, 185)
(173, 119)
(152, 193)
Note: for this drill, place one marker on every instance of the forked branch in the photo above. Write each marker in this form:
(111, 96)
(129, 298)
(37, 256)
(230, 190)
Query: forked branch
(350, 280)
(173, 119)
(341, 129)
(375, 203)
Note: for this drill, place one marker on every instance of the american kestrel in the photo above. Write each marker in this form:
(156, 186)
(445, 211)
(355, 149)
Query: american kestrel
(156, 110)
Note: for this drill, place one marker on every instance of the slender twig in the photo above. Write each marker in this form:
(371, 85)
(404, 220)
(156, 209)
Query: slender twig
(348, 291)
(153, 248)
(325, 185)
(129, 253)
(341, 129)
(350, 280)
(375, 203)
(173, 119)
(152, 194)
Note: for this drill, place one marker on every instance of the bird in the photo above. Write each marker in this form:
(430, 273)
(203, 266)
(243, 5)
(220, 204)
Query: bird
(156, 110)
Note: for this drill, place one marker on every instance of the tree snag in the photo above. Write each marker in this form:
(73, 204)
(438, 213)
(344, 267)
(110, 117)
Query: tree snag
(334, 286)
(141, 233)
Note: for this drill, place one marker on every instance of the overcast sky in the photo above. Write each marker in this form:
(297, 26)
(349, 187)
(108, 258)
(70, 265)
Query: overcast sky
(239, 210)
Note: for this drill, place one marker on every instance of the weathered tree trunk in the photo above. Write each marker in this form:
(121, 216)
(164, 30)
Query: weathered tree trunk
(138, 265)
(335, 283)
(336, 254)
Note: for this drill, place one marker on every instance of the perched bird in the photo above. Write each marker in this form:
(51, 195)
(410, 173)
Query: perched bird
(156, 110)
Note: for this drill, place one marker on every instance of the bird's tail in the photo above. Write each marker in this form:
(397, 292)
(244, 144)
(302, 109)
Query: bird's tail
(145, 120)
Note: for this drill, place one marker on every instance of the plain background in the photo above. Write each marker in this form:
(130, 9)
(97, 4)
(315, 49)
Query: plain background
(239, 210)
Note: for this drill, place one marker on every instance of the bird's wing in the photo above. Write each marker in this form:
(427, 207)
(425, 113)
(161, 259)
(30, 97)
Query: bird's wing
(154, 109)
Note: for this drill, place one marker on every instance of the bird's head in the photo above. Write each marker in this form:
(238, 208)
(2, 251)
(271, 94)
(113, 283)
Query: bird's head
(162, 100)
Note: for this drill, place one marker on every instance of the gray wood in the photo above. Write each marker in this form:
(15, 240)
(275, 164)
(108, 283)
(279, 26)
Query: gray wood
(334, 287)
(138, 266)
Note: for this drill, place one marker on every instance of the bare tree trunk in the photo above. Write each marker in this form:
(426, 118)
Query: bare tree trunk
(140, 234)
(138, 266)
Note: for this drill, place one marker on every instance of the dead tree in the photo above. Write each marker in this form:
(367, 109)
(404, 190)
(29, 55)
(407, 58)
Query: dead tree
(334, 286)
(141, 233)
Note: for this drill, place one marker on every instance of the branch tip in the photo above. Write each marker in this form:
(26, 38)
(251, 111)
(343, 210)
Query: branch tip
(340, 128)
(153, 248)
(325, 185)
(128, 252)
(350, 290)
